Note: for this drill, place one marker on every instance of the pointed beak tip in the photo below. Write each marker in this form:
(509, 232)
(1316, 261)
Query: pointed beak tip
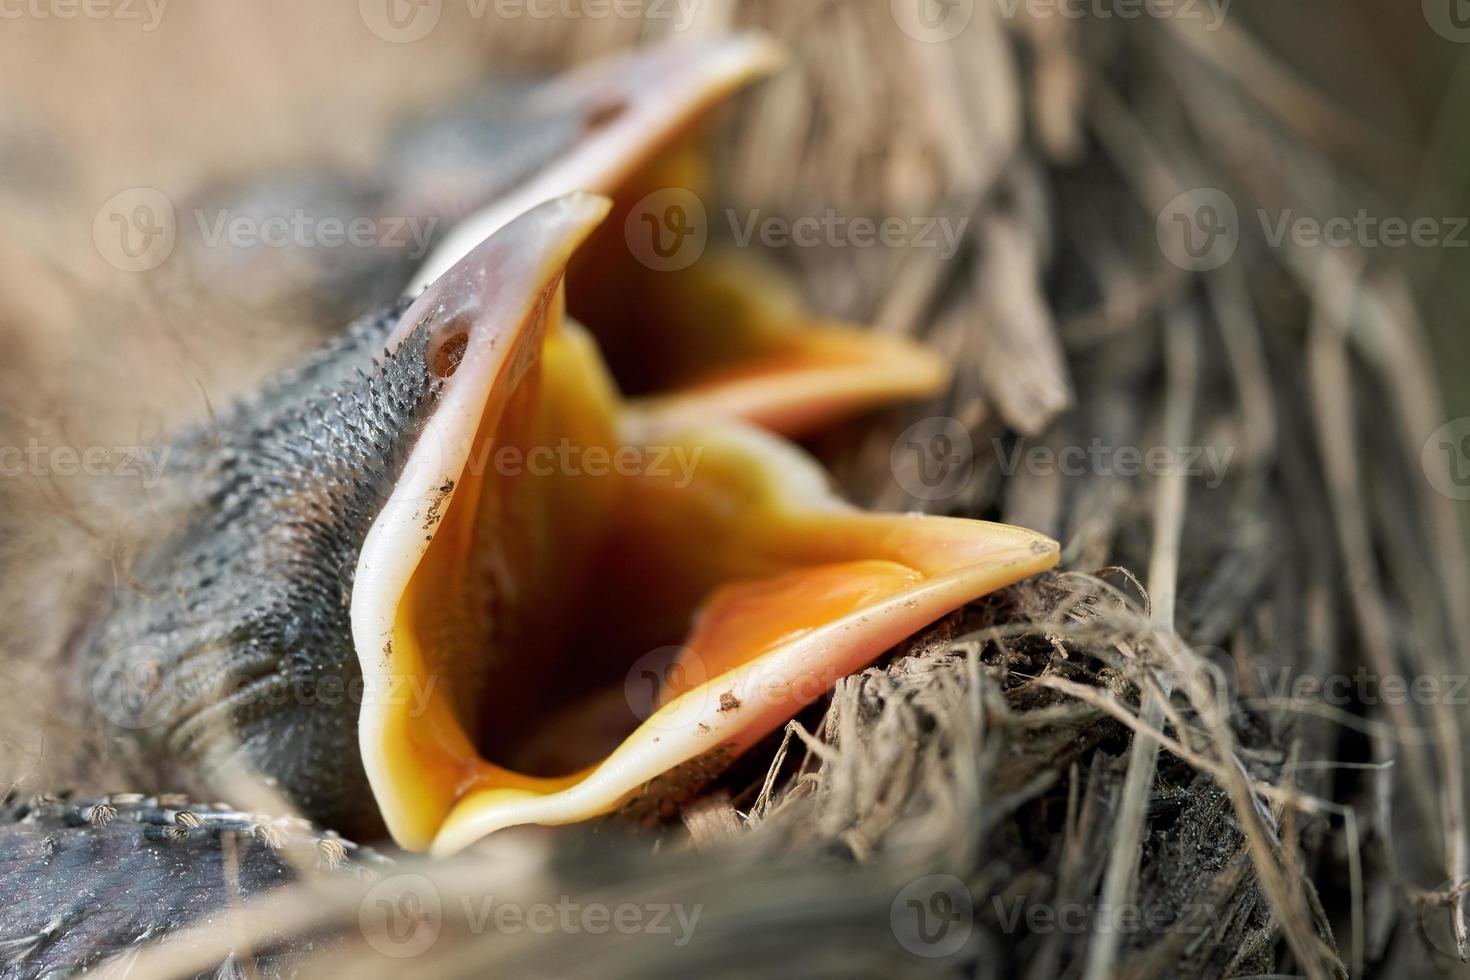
(1045, 551)
(763, 53)
(711, 70)
(558, 226)
(585, 208)
(1020, 551)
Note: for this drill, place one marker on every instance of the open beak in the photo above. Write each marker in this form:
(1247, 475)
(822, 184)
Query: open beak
(603, 607)
(688, 325)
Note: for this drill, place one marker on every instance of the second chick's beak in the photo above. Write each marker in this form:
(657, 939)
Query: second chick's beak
(707, 334)
(686, 324)
(548, 606)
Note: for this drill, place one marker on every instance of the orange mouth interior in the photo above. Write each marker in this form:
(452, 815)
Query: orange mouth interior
(578, 565)
(725, 332)
(552, 572)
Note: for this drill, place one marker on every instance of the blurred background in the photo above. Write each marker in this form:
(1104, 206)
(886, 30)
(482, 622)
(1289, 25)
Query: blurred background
(128, 94)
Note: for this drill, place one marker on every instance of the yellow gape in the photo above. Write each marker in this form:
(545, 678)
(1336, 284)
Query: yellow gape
(604, 604)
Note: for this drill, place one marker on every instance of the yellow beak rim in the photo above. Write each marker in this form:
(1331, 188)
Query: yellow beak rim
(777, 588)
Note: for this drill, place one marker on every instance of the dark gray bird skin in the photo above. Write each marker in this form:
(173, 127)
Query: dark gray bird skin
(83, 881)
(433, 171)
(231, 651)
(227, 648)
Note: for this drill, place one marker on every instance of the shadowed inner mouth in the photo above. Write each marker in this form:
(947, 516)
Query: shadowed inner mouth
(602, 601)
(579, 578)
(675, 307)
